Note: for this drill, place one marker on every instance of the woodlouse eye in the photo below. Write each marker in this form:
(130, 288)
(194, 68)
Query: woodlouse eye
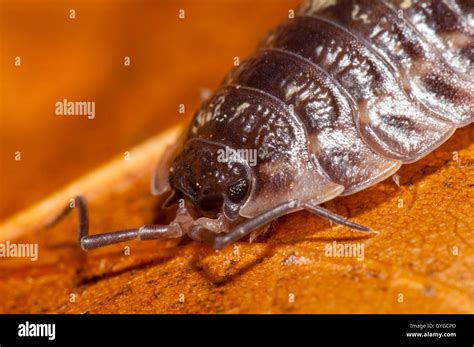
(238, 190)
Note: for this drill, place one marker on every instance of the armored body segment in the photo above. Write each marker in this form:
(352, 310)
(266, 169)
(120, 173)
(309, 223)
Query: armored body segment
(444, 28)
(423, 73)
(389, 121)
(326, 112)
(247, 121)
(465, 8)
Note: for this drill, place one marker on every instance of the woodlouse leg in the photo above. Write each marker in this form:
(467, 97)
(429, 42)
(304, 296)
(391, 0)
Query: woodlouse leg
(220, 241)
(146, 232)
(326, 214)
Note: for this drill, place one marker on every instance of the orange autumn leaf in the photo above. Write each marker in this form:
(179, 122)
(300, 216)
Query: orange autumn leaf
(422, 261)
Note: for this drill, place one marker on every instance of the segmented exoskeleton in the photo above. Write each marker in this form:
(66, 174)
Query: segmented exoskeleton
(334, 100)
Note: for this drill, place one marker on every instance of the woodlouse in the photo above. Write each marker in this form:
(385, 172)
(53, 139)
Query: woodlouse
(334, 100)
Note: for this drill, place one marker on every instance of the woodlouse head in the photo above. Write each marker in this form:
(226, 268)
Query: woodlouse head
(212, 182)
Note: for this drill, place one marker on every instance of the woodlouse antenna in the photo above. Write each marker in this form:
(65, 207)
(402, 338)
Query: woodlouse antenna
(333, 217)
(203, 229)
(146, 232)
(254, 223)
(245, 228)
